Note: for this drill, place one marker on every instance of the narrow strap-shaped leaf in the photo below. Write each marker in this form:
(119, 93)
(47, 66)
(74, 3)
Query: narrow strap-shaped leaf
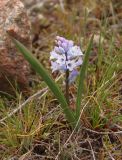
(81, 79)
(48, 80)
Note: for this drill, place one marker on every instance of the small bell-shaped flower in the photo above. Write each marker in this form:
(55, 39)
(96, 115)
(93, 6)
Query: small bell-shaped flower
(66, 56)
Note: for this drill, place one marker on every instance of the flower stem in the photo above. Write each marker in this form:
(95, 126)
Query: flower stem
(67, 82)
(67, 86)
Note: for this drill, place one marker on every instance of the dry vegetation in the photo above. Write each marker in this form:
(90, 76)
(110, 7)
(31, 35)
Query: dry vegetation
(38, 129)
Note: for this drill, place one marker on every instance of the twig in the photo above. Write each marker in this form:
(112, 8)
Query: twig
(90, 130)
(92, 150)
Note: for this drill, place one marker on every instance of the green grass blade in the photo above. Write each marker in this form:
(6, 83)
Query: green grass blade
(81, 79)
(48, 80)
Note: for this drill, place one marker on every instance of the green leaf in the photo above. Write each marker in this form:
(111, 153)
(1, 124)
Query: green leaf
(47, 79)
(81, 79)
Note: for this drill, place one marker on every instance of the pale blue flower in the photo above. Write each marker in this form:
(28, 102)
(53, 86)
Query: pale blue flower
(74, 52)
(53, 55)
(64, 43)
(73, 76)
(57, 67)
(70, 65)
(59, 50)
(66, 56)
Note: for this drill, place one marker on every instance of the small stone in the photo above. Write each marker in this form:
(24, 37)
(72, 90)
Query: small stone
(14, 69)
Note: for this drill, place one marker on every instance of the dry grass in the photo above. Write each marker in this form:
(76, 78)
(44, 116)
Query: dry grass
(36, 128)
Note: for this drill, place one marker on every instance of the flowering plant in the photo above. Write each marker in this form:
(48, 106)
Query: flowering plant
(66, 57)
